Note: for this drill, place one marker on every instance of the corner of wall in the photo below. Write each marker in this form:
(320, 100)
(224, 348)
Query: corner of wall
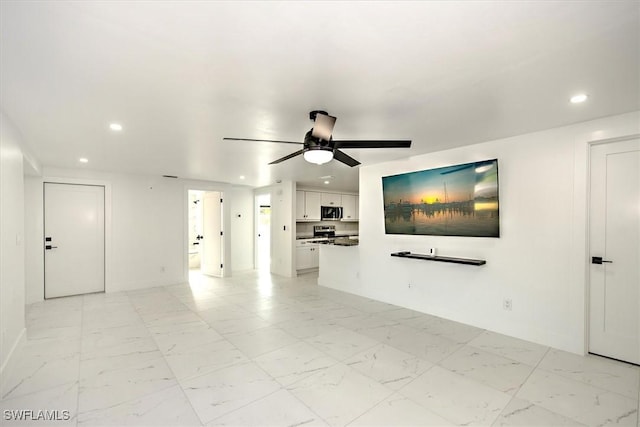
(12, 263)
(283, 228)
(33, 232)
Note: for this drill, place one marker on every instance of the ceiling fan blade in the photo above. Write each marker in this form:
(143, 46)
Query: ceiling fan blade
(323, 126)
(373, 144)
(260, 140)
(297, 153)
(345, 158)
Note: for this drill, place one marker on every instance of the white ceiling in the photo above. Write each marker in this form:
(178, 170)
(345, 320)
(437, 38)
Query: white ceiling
(179, 76)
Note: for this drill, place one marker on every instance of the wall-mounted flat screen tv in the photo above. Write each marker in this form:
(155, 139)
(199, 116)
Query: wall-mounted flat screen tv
(459, 200)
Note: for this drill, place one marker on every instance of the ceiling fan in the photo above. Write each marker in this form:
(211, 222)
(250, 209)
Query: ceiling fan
(319, 147)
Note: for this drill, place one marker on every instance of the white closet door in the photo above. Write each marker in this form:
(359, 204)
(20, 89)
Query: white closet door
(74, 239)
(614, 327)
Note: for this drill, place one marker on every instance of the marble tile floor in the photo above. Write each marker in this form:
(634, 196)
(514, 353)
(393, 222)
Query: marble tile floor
(261, 350)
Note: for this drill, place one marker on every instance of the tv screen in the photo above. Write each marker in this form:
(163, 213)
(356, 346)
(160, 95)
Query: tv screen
(459, 200)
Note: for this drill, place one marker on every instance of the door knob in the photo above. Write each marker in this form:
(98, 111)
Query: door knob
(599, 260)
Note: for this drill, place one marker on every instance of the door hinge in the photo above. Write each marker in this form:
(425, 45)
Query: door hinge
(220, 265)
(220, 200)
(221, 233)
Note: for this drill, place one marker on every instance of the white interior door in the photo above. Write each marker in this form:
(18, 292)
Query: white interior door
(211, 262)
(614, 327)
(74, 239)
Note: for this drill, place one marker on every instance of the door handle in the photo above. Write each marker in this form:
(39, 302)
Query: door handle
(599, 260)
(49, 247)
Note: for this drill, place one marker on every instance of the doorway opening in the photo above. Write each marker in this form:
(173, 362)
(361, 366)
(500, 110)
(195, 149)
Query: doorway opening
(263, 233)
(204, 232)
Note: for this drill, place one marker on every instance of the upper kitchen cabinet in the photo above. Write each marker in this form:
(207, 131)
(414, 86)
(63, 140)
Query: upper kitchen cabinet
(307, 206)
(349, 207)
(331, 199)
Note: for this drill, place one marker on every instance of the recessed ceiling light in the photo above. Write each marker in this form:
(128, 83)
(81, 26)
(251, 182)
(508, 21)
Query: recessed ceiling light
(581, 97)
(326, 182)
(241, 176)
(115, 126)
(83, 160)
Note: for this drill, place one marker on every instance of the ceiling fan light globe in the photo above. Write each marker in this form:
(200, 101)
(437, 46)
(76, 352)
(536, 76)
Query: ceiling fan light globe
(319, 157)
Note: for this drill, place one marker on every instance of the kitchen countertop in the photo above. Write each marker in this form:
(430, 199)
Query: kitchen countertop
(344, 241)
(340, 240)
(309, 236)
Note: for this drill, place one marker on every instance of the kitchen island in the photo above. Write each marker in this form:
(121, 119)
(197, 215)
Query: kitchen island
(339, 266)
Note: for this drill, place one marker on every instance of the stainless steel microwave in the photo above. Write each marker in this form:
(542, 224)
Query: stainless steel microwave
(330, 212)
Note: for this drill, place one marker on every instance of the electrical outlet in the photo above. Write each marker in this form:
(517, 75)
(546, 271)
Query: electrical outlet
(507, 304)
(409, 285)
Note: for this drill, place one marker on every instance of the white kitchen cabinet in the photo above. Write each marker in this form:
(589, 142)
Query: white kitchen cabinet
(349, 207)
(331, 199)
(312, 205)
(303, 258)
(307, 256)
(307, 206)
(300, 211)
(315, 256)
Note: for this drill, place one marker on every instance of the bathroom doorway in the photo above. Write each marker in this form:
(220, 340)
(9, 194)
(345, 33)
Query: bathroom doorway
(205, 232)
(263, 233)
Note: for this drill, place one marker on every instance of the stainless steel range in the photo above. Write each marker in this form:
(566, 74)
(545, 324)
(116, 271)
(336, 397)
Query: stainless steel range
(328, 231)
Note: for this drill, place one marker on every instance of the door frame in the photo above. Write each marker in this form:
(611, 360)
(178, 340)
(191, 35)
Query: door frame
(258, 192)
(107, 221)
(217, 195)
(587, 249)
(256, 227)
(226, 226)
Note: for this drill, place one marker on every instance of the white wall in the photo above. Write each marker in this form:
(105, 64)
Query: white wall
(540, 260)
(242, 225)
(282, 196)
(146, 227)
(283, 229)
(33, 239)
(12, 294)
